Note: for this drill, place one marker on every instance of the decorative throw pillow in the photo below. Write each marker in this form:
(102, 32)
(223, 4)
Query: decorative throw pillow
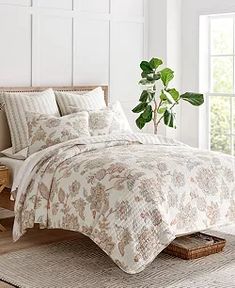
(113, 117)
(16, 105)
(120, 122)
(100, 121)
(45, 131)
(93, 100)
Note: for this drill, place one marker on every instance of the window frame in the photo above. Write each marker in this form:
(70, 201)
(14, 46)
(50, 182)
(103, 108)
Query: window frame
(210, 94)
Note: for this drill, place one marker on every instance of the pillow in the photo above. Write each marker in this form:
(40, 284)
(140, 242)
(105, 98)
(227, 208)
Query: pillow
(16, 105)
(93, 100)
(119, 122)
(21, 155)
(100, 122)
(45, 131)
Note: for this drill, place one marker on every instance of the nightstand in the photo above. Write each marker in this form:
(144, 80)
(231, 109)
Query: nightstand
(4, 181)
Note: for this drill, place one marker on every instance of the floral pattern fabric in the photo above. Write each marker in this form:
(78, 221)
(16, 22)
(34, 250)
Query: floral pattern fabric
(132, 195)
(45, 131)
(111, 119)
(100, 122)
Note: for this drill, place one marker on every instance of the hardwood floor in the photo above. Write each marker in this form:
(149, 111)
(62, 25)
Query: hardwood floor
(5, 285)
(33, 237)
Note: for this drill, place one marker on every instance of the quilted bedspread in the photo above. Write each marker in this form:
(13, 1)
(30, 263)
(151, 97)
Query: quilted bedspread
(131, 194)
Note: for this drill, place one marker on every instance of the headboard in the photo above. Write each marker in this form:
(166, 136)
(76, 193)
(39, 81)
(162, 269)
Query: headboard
(5, 139)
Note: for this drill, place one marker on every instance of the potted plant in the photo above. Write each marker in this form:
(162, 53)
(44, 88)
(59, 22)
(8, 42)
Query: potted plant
(157, 102)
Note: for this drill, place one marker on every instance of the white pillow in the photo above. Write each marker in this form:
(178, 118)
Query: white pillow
(118, 124)
(92, 100)
(21, 155)
(45, 131)
(16, 105)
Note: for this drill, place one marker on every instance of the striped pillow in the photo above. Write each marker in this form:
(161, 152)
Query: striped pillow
(93, 100)
(16, 105)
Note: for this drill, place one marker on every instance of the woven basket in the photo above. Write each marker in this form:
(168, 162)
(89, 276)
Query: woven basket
(4, 175)
(195, 246)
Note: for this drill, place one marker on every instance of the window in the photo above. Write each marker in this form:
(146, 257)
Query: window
(221, 95)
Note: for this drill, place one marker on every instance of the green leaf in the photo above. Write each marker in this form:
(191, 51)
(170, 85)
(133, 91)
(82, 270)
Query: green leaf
(161, 110)
(174, 94)
(169, 98)
(140, 122)
(169, 118)
(146, 82)
(143, 81)
(163, 96)
(195, 99)
(147, 96)
(157, 76)
(140, 107)
(145, 66)
(163, 107)
(155, 63)
(144, 74)
(147, 114)
(166, 75)
(150, 77)
(144, 96)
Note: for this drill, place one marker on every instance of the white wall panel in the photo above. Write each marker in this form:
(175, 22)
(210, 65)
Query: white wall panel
(91, 52)
(15, 47)
(127, 7)
(57, 4)
(126, 55)
(92, 6)
(52, 60)
(16, 2)
(100, 42)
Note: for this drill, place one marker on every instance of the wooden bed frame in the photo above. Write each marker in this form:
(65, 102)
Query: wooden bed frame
(5, 141)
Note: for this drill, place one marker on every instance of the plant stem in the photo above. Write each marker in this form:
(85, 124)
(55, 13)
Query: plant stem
(156, 123)
(155, 116)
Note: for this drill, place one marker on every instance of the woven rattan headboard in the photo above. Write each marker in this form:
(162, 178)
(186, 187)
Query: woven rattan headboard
(5, 140)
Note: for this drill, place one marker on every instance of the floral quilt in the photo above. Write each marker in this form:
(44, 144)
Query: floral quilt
(131, 194)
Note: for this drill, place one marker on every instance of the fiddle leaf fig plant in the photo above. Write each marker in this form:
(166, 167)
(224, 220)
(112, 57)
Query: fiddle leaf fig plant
(157, 100)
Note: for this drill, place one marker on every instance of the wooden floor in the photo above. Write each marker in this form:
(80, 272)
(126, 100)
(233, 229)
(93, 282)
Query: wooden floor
(34, 237)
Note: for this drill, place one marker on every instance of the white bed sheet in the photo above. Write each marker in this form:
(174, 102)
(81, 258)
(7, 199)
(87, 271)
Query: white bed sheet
(14, 165)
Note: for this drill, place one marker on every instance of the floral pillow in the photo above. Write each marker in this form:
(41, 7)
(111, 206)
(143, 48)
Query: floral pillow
(111, 119)
(100, 121)
(45, 131)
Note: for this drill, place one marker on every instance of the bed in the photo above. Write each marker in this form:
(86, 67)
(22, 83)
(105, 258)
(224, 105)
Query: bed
(131, 193)
(6, 201)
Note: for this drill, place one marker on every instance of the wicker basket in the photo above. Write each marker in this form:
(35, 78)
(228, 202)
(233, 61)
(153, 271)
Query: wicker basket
(195, 246)
(4, 175)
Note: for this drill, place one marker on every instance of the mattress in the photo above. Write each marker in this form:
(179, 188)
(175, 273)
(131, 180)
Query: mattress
(14, 165)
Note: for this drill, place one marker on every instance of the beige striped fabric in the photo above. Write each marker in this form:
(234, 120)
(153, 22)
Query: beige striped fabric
(16, 106)
(92, 100)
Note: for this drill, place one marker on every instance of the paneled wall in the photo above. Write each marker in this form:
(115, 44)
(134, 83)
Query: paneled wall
(73, 42)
